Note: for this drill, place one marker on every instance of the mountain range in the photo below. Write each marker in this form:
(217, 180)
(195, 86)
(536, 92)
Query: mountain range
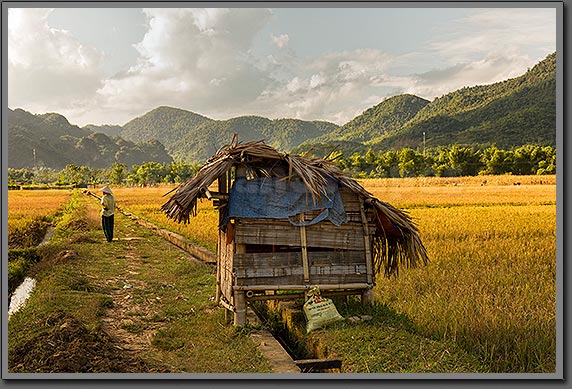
(509, 113)
(50, 140)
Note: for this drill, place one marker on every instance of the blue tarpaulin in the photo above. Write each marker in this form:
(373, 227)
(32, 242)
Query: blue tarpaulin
(272, 198)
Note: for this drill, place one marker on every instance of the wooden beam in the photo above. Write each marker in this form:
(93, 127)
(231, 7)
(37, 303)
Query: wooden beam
(316, 365)
(304, 241)
(302, 287)
(367, 245)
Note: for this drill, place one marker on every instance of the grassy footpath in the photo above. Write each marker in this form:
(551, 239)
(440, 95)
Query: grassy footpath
(137, 304)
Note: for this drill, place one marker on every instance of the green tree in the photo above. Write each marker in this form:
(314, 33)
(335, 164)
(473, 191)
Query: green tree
(23, 176)
(149, 173)
(181, 171)
(118, 173)
(496, 161)
(76, 175)
(411, 163)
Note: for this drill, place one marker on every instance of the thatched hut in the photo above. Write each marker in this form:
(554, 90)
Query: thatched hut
(287, 223)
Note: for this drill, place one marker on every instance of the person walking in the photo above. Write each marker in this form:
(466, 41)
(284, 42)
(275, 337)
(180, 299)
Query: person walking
(107, 212)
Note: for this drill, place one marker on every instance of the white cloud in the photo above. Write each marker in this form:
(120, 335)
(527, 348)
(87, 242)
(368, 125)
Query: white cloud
(202, 60)
(330, 87)
(436, 83)
(487, 46)
(196, 59)
(48, 69)
(497, 32)
(280, 40)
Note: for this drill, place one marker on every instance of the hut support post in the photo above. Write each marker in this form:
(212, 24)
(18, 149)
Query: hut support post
(222, 188)
(218, 265)
(367, 296)
(239, 308)
(239, 296)
(304, 241)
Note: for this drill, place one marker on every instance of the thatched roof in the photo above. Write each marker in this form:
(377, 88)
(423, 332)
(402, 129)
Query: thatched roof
(391, 248)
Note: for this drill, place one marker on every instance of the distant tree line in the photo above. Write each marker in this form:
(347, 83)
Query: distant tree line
(444, 161)
(149, 173)
(451, 161)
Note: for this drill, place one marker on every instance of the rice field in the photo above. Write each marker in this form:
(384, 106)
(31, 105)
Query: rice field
(31, 204)
(490, 285)
(491, 282)
(26, 207)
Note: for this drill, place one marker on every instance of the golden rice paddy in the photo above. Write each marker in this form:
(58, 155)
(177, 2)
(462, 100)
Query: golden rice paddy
(491, 281)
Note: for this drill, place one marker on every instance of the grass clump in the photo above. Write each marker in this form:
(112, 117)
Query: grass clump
(27, 232)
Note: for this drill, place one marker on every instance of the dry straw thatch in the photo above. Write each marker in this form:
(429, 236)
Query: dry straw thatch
(396, 241)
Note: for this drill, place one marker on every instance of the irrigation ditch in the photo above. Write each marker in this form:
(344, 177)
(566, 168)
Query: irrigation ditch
(18, 295)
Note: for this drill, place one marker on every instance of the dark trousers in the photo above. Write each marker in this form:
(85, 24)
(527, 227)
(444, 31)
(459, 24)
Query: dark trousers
(107, 224)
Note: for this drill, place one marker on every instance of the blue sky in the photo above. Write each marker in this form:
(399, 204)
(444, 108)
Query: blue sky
(110, 65)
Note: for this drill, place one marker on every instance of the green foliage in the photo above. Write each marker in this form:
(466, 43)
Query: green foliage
(181, 171)
(153, 173)
(76, 175)
(451, 161)
(117, 173)
(21, 176)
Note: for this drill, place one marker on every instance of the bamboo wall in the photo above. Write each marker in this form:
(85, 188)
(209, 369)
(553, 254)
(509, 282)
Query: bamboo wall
(270, 252)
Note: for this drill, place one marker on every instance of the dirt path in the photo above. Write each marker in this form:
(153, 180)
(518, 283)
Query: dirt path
(161, 304)
(120, 320)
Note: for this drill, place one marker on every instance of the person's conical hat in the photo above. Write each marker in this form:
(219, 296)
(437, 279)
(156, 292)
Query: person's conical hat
(106, 189)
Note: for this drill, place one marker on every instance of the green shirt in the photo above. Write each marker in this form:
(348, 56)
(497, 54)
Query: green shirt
(108, 203)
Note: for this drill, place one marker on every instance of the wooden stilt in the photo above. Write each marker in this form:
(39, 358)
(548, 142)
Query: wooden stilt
(367, 297)
(239, 308)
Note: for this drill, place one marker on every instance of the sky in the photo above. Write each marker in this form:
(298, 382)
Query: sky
(111, 65)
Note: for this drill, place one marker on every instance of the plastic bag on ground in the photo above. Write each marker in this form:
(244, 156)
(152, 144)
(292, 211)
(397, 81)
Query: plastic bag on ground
(319, 311)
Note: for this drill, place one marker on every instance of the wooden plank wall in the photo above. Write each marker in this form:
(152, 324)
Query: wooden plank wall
(326, 267)
(225, 271)
(281, 232)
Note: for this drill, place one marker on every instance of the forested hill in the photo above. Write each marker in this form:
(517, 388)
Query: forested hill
(189, 136)
(509, 113)
(386, 117)
(165, 124)
(50, 140)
